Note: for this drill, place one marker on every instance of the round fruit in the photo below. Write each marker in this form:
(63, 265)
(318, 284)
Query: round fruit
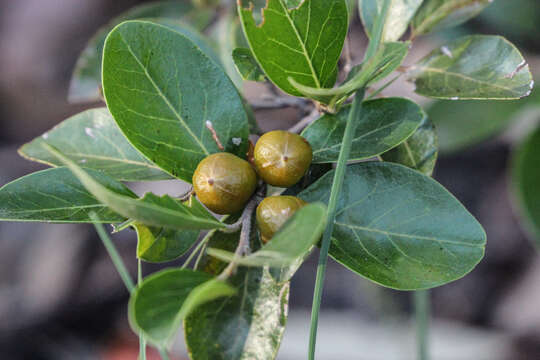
(282, 158)
(274, 211)
(224, 183)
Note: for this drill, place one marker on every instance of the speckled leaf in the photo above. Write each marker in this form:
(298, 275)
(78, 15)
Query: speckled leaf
(86, 80)
(439, 14)
(383, 124)
(93, 140)
(399, 228)
(161, 90)
(399, 15)
(246, 65)
(244, 327)
(55, 195)
(473, 67)
(387, 59)
(293, 242)
(304, 43)
(526, 180)
(150, 210)
(419, 151)
(163, 300)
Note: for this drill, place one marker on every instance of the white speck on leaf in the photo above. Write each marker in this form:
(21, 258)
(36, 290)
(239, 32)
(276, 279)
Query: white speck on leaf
(89, 132)
(446, 51)
(82, 161)
(454, 98)
(236, 141)
(45, 136)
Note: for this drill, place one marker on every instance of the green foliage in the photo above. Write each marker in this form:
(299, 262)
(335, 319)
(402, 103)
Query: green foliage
(161, 90)
(394, 226)
(382, 125)
(158, 244)
(303, 44)
(247, 65)
(399, 15)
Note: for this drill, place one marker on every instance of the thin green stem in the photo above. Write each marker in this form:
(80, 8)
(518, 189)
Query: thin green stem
(422, 312)
(378, 29)
(198, 248)
(142, 340)
(339, 176)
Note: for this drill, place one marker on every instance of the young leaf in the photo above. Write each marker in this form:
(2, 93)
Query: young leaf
(387, 59)
(399, 228)
(93, 140)
(473, 67)
(304, 43)
(525, 181)
(150, 210)
(400, 14)
(291, 243)
(159, 245)
(55, 195)
(163, 300)
(162, 91)
(419, 151)
(244, 327)
(439, 14)
(247, 65)
(383, 124)
(86, 80)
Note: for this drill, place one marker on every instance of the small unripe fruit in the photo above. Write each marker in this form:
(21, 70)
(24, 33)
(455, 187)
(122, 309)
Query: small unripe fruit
(282, 158)
(224, 183)
(274, 211)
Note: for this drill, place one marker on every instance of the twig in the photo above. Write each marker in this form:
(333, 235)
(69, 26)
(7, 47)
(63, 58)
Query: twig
(187, 195)
(210, 127)
(303, 123)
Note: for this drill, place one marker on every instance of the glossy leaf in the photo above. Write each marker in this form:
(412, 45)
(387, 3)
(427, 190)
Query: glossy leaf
(163, 300)
(56, 195)
(243, 327)
(304, 43)
(162, 90)
(150, 210)
(86, 80)
(93, 140)
(387, 59)
(473, 67)
(399, 228)
(158, 245)
(291, 243)
(247, 65)
(399, 15)
(439, 14)
(526, 180)
(419, 151)
(383, 124)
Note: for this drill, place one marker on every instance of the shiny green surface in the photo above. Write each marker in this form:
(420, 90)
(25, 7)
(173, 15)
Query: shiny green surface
(274, 211)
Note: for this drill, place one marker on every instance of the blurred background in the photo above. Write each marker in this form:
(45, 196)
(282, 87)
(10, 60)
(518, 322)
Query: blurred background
(60, 297)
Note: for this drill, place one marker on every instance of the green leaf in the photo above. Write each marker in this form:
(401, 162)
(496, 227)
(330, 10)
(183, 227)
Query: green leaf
(439, 14)
(473, 67)
(387, 59)
(93, 139)
(383, 124)
(244, 327)
(55, 195)
(400, 14)
(399, 228)
(163, 300)
(247, 65)
(86, 80)
(418, 152)
(304, 43)
(158, 245)
(293, 242)
(162, 90)
(525, 181)
(150, 210)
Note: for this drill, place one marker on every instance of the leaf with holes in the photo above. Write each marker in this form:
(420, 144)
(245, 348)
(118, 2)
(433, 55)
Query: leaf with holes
(440, 14)
(419, 151)
(399, 15)
(56, 195)
(303, 44)
(399, 228)
(86, 80)
(382, 124)
(161, 90)
(247, 65)
(473, 67)
(93, 140)
(163, 300)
